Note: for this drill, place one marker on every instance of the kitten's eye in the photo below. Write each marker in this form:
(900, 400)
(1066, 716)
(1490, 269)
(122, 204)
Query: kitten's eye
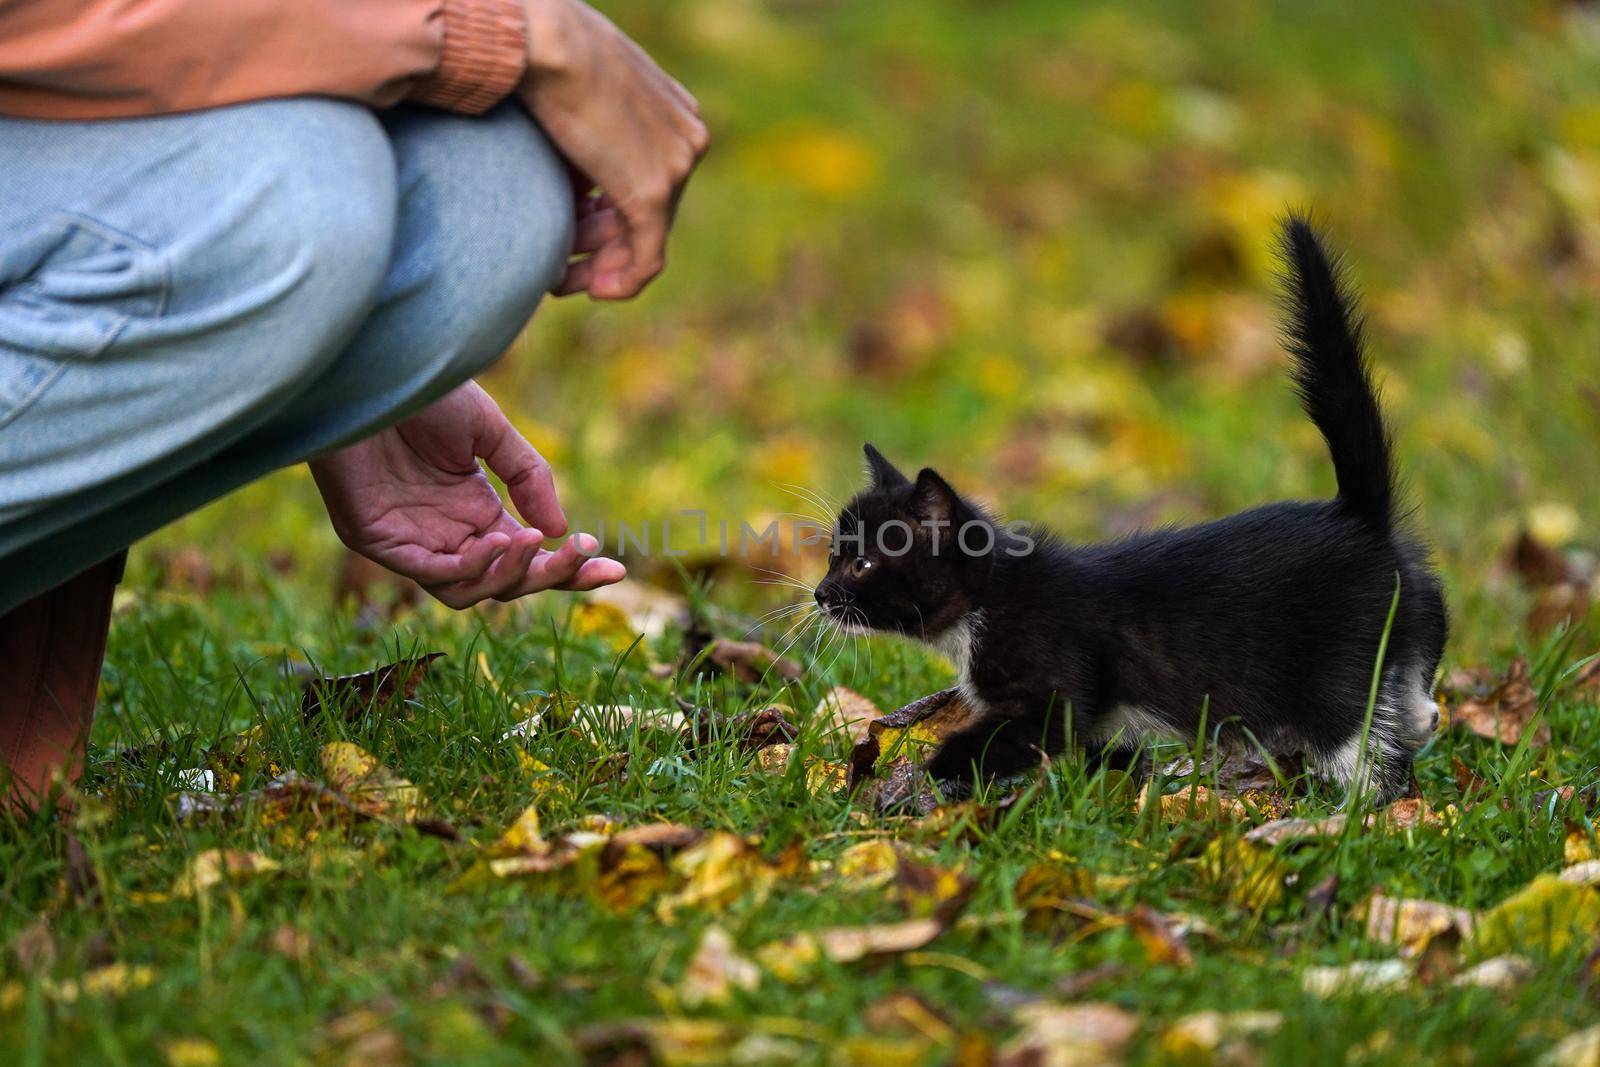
(858, 567)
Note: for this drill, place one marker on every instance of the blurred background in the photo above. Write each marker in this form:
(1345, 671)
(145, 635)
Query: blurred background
(1029, 243)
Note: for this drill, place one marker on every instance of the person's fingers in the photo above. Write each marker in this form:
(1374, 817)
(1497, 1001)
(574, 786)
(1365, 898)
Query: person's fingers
(526, 475)
(501, 579)
(647, 219)
(552, 570)
(596, 572)
(577, 279)
(429, 568)
(613, 255)
(596, 229)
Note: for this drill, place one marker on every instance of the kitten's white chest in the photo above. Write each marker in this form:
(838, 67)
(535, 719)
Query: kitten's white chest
(959, 645)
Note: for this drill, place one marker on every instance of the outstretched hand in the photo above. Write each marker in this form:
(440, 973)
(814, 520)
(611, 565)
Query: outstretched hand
(414, 499)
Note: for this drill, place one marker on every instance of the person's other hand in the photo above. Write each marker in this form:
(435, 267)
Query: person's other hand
(623, 125)
(414, 499)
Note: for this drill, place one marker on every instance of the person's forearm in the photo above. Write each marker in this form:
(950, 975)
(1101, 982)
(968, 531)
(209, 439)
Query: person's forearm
(74, 59)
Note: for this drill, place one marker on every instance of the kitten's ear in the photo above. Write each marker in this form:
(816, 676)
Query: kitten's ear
(884, 474)
(933, 501)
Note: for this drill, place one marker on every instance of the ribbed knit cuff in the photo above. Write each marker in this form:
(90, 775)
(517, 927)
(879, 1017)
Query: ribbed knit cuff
(485, 55)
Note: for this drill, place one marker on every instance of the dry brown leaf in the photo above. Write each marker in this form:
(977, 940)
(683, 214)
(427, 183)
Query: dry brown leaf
(1251, 875)
(1280, 831)
(901, 788)
(1195, 802)
(661, 836)
(676, 1041)
(716, 970)
(753, 730)
(291, 942)
(1068, 1035)
(1536, 563)
(906, 1011)
(1161, 936)
(925, 890)
(353, 694)
(1363, 976)
(34, 947)
(1408, 813)
(1240, 769)
(1498, 972)
(925, 721)
(1580, 1049)
(1505, 713)
(1586, 872)
(749, 661)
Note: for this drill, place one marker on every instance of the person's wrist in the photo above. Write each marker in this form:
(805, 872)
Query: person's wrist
(551, 36)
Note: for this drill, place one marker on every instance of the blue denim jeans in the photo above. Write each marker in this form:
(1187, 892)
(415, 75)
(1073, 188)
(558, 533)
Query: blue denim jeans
(191, 301)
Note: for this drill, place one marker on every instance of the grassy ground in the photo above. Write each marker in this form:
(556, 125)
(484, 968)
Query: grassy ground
(1023, 242)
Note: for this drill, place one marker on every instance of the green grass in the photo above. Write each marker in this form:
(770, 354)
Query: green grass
(385, 936)
(922, 222)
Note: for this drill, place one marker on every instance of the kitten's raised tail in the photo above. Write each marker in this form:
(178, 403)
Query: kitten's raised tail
(1330, 371)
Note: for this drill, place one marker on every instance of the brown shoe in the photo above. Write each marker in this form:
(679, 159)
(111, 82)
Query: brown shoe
(51, 651)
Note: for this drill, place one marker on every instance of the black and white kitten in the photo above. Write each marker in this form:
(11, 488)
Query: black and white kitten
(1269, 619)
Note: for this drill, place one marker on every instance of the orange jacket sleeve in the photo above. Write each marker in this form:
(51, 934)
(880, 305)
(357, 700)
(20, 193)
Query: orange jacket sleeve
(82, 59)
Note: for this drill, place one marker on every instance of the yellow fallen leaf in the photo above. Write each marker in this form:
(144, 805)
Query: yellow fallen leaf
(216, 866)
(1542, 918)
(192, 1052)
(826, 777)
(793, 958)
(1412, 923)
(883, 1050)
(715, 970)
(1578, 847)
(773, 759)
(523, 834)
(608, 622)
(867, 864)
(828, 162)
(369, 786)
(1251, 875)
(626, 878)
(714, 873)
(113, 980)
(1214, 1037)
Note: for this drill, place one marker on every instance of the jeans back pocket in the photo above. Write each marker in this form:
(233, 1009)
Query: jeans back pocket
(68, 286)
